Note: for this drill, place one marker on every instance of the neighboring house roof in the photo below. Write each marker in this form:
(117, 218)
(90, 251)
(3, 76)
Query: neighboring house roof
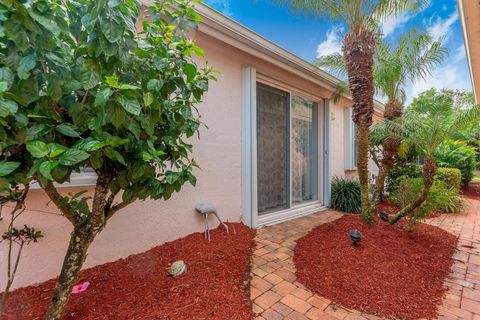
(227, 30)
(469, 11)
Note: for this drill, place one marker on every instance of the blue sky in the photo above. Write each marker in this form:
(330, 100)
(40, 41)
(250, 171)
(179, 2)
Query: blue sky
(308, 37)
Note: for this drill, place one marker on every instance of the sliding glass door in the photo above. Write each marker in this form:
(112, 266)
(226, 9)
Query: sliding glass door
(287, 150)
(304, 150)
(272, 149)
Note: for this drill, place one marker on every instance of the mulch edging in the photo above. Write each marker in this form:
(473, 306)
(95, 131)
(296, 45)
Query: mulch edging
(472, 191)
(216, 285)
(391, 273)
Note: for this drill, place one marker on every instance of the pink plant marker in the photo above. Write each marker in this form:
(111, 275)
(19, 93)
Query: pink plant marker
(80, 287)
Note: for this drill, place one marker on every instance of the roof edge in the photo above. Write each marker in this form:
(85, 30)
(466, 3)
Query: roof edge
(214, 23)
(461, 13)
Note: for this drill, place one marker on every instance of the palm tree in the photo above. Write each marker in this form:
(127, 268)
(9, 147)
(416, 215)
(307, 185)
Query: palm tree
(425, 126)
(361, 19)
(413, 58)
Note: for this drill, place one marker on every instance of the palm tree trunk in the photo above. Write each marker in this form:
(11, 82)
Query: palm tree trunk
(429, 170)
(390, 147)
(358, 51)
(80, 241)
(363, 136)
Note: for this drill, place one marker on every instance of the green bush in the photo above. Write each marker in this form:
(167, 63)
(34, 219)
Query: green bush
(397, 173)
(444, 198)
(455, 154)
(451, 177)
(440, 198)
(346, 195)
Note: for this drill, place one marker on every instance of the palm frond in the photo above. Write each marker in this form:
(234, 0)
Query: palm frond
(334, 64)
(318, 8)
(341, 91)
(423, 55)
(386, 9)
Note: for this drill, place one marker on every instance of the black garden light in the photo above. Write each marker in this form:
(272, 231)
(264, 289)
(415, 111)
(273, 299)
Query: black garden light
(356, 236)
(384, 216)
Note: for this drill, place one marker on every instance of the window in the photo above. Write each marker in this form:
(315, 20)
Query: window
(287, 149)
(350, 141)
(86, 177)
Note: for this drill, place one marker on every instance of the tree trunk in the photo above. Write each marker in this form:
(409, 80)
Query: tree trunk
(429, 170)
(80, 240)
(390, 147)
(358, 51)
(11, 275)
(363, 136)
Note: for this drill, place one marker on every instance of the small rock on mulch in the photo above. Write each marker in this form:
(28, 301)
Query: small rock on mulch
(391, 273)
(138, 287)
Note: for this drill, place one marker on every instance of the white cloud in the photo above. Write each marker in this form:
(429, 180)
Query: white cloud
(460, 53)
(221, 5)
(333, 43)
(450, 76)
(442, 27)
(390, 25)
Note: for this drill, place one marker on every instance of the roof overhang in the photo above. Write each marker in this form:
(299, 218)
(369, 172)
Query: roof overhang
(469, 11)
(229, 31)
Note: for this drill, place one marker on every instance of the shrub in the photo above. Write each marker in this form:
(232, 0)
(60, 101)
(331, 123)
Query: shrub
(346, 195)
(455, 154)
(444, 198)
(440, 198)
(451, 177)
(397, 173)
(81, 86)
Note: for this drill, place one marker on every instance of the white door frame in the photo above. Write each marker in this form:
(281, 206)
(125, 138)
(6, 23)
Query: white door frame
(249, 159)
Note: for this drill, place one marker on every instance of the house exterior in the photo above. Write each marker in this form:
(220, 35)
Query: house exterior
(273, 143)
(469, 12)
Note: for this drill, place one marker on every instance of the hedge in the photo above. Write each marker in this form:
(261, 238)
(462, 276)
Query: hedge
(451, 177)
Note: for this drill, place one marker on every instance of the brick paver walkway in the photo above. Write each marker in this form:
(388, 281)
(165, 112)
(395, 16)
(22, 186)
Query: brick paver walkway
(277, 295)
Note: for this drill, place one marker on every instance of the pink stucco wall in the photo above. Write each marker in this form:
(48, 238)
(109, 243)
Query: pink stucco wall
(144, 225)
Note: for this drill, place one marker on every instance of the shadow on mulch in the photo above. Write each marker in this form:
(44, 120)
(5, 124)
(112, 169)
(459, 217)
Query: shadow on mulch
(214, 287)
(391, 273)
(472, 191)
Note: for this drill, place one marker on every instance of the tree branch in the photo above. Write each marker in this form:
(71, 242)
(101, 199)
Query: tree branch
(57, 199)
(99, 199)
(115, 208)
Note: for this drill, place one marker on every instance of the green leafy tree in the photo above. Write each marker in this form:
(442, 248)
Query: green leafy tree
(413, 57)
(82, 87)
(426, 124)
(361, 19)
(456, 154)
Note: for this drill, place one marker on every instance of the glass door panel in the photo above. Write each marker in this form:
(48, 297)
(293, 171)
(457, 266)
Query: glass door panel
(304, 161)
(273, 139)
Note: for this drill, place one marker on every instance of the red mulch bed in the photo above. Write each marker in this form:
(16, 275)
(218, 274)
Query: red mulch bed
(214, 287)
(387, 206)
(391, 273)
(472, 191)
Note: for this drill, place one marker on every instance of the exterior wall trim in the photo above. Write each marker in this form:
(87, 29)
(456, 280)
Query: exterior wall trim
(249, 184)
(326, 153)
(467, 47)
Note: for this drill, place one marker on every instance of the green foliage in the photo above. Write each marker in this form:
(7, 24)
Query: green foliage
(455, 154)
(79, 86)
(413, 57)
(346, 195)
(400, 172)
(440, 198)
(451, 177)
(368, 13)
